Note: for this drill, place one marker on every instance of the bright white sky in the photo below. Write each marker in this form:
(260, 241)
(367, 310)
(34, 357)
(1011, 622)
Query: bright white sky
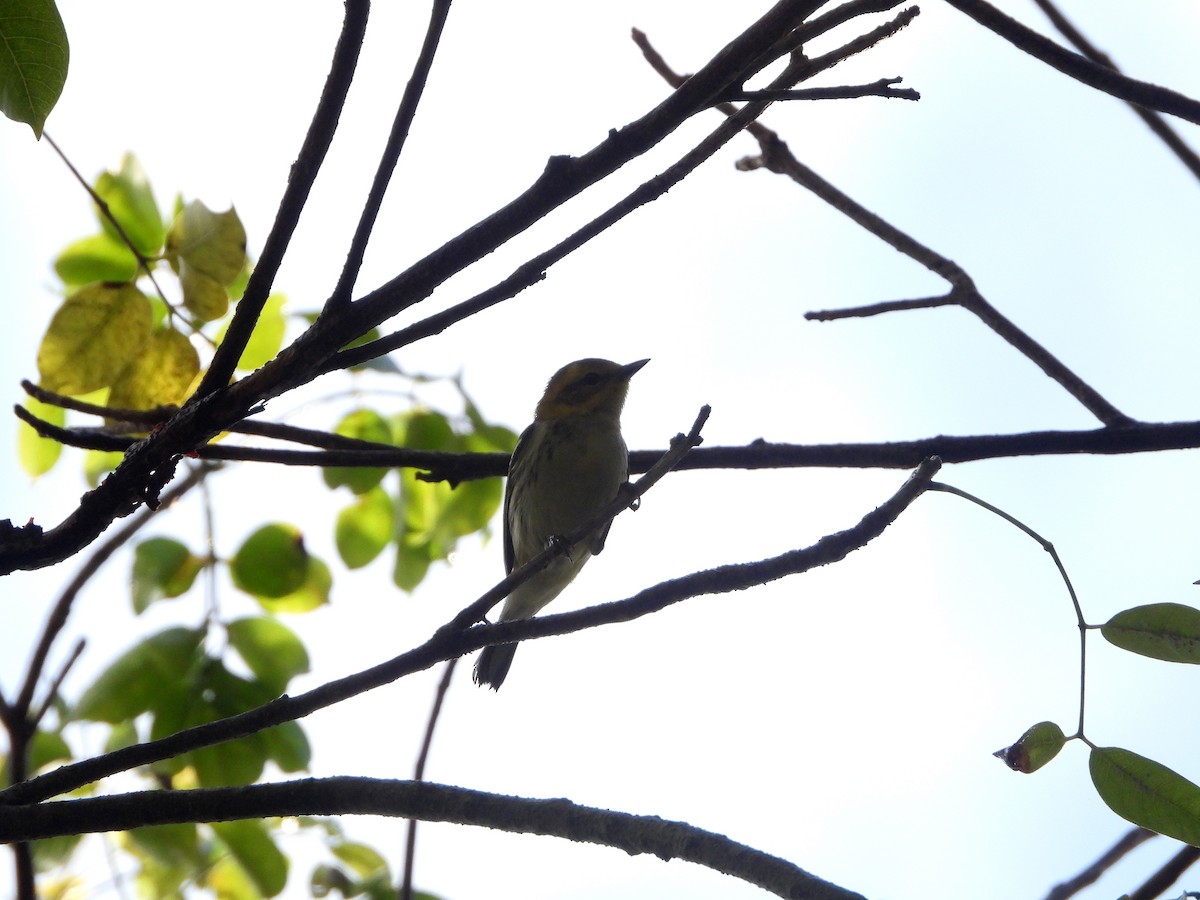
(843, 719)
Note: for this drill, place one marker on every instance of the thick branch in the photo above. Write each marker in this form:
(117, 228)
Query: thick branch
(430, 802)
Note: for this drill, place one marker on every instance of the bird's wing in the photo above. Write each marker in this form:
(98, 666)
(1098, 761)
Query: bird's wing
(524, 446)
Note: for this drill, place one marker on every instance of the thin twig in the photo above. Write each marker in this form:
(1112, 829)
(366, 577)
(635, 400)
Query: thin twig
(1160, 882)
(303, 174)
(1046, 545)
(391, 154)
(62, 606)
(149, 417)
(778, 158)
(1102, 78)
(1156, 123)
(143, 261)
(881, 88)
(410, 840)
(534, 270)
(36, 717)
(1135, 837)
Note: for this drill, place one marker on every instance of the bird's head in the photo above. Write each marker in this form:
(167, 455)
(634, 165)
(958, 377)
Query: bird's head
(587, 386)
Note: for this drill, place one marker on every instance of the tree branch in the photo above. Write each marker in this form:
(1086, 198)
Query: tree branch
(150, 464)
(881, 88)
(1153, 120)
(1131, 839)
(455, 639)
(391, 154)
(295, 196)
(778, 158)
(430, 802)
(1102, 78)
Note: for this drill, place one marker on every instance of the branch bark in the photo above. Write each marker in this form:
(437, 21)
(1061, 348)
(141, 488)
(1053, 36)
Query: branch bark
(430, 802)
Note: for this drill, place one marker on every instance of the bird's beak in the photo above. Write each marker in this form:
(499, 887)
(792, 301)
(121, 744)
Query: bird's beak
(630, 370)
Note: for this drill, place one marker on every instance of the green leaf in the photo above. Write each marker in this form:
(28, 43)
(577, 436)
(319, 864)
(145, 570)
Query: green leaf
(312, 594)
(174, 845)
(272, 562)
(427, 430)
(256, 853)
(226, 694)
(159, 375)
(98, 463)
(38, 454)
(208, 242)
(149, 676)
(365, 527)
(288, 747)
(100, 257)
(130, 199)
(33, 64)
(53, 853)
(92, 337)
(270, 649)
(162, 567)
(1036, 747)
(1147, 793)
(267, 337)
(47, 747)
(208, 250)
(225, 879)
(362, 425)
(470, 507)
(412, 564)
(1166, 631)
(364, 860)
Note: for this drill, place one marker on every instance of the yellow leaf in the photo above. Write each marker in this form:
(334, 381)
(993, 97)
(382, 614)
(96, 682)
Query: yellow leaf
(203, 295)
(159, 375)
(94, 335)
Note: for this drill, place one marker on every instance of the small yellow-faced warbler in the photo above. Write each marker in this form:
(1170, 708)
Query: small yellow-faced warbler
(568, 465)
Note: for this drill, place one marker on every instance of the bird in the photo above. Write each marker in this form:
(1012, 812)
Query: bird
(567, 466)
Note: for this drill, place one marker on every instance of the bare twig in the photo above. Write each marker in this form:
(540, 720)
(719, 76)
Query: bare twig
(148, 417)
(295, 196)
(391, 154)
(1102, 78)
(410, 839)
(1133, 838)
(533, 271)
(1153, 120)
(881, 88)
(778, 158)
(1160, 882)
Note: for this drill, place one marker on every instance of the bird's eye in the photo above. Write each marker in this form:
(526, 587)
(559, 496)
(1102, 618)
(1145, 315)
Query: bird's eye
(590, 378)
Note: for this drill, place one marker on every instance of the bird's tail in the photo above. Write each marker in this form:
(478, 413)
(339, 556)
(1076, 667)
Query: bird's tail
(492, 667)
